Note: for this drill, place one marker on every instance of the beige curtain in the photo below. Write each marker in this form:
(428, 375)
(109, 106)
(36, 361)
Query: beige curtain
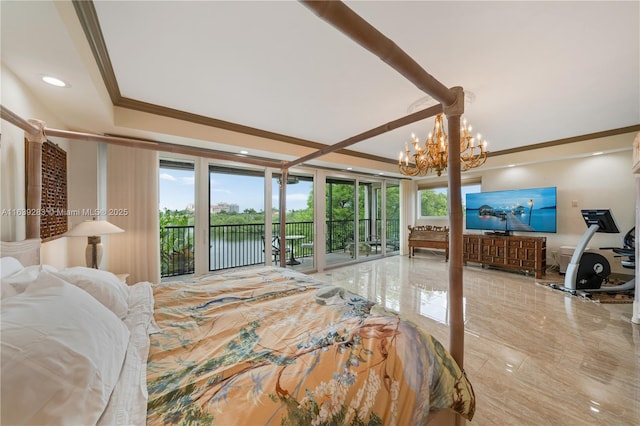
(407, 212)
(132, 204)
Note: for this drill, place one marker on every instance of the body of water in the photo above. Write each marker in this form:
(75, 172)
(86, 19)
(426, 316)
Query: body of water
(542, 220)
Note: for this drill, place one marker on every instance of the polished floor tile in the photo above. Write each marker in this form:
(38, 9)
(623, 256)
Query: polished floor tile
(534, 355)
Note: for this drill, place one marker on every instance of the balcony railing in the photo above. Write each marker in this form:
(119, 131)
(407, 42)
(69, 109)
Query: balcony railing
(232, 246)
(176, 250)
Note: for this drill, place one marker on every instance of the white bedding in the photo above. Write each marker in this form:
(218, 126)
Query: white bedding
(40, 306)
(128, 403)
(62, 352)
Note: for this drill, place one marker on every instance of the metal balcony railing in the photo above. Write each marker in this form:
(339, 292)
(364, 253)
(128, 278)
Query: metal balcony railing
(176, 250)
(232, 246)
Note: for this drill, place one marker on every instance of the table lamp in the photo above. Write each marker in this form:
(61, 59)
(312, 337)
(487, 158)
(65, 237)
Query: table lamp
(93, 229)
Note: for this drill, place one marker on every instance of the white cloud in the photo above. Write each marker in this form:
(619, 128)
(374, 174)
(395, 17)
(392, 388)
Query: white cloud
(297, 197)
(221, 190)
(167, 176)
(187, 180)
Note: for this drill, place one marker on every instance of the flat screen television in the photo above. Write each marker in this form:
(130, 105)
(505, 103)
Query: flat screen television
(521, 210)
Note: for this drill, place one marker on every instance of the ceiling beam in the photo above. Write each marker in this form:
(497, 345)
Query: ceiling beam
(366, 35)
(161, 146)
(408, 119)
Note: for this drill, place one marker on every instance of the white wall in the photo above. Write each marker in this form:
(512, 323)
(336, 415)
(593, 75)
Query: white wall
(81, 160)
(602, 182)
(592, 182)
(16, 98)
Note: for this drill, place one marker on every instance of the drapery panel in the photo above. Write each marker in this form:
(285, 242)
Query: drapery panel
(407, 212)
(132, 204)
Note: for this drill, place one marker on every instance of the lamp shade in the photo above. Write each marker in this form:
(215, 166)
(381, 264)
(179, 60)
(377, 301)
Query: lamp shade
(90, 228)
(93, 229)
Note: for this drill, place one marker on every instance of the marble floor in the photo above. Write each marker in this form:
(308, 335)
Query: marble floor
(535, 356)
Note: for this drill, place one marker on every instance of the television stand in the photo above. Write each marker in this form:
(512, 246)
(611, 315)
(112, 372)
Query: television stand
(527, 254)
(499, 233)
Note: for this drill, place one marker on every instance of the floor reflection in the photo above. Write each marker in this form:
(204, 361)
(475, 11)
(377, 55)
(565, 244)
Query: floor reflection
(434, 305)
(534, 355)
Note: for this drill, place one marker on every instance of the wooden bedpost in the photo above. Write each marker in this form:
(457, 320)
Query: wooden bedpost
(456, 311)
(283, 217)
(34, 177)
(348, 22)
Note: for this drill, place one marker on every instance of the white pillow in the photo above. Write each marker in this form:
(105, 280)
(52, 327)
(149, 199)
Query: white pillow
(21, 279)
(103, 285)
(9, 266)
(61, 355)
(7, 290)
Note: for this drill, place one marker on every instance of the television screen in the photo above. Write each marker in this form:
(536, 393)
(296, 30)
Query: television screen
(528, 210)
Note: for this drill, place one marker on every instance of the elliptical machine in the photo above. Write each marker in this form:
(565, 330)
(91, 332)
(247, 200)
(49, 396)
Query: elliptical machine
(587, 271)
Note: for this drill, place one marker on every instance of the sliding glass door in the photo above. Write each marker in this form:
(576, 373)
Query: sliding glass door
(236, 217)
(298, 246)
(176, 210)
(355, 218)
(362, 223)
(392, 217)
(368, 213)
(340, 214)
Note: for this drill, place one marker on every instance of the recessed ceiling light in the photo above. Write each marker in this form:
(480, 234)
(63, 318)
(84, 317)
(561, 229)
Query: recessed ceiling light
(349, 168)
(244, 152)
(511, 165)
(54, 81)
(598, 153)
(381, 173)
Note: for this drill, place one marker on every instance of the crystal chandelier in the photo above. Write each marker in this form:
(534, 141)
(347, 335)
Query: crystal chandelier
(434, 154)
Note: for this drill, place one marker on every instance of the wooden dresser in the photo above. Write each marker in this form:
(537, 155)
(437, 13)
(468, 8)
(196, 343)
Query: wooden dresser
(511, 252)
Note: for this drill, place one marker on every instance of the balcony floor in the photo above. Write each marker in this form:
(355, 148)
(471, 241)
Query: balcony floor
(307, 263)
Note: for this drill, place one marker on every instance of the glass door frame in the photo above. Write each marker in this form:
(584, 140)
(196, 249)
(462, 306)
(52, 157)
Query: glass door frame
(323, 176)
(320, 176)
(269, 194)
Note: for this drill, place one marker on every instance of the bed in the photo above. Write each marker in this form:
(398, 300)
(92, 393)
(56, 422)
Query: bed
(206, 351)
(259, 345)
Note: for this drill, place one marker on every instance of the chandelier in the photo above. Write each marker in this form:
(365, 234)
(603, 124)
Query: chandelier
(434, 154)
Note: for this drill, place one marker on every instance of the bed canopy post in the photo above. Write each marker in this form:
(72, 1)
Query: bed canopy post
(456, 308)
(283, 216)
(355, 27)
(408, 119)
(34, 176)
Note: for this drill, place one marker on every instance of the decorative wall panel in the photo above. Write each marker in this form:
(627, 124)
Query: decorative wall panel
(53, 210)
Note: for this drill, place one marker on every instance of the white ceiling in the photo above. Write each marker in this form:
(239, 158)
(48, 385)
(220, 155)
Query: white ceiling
(534, 71)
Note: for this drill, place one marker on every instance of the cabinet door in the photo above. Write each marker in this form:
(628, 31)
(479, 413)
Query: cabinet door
(470, 248)
(515, 250)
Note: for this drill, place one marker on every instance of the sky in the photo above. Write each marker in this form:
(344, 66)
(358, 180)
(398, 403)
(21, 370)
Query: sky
(541, 197)
(177, 190)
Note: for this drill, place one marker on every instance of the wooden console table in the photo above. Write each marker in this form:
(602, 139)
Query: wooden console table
(433, 237)
(511, 252)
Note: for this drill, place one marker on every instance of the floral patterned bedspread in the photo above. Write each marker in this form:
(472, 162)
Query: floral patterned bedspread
(270, 346)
